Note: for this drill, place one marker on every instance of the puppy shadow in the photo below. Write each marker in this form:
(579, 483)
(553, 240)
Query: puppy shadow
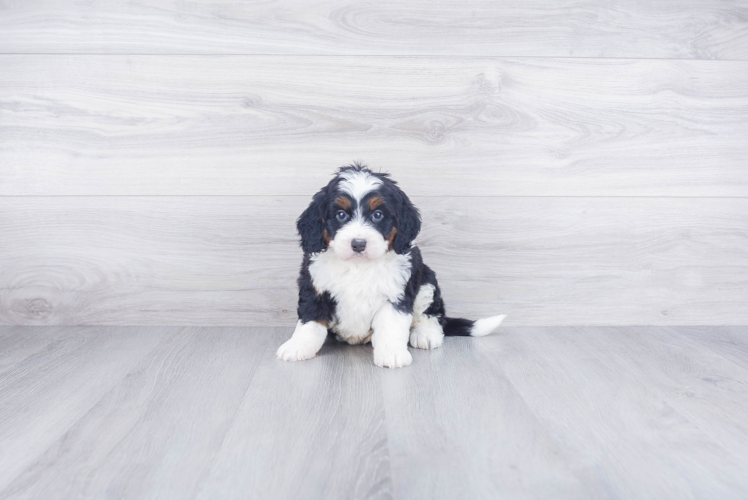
(363, 353)
(334, 347)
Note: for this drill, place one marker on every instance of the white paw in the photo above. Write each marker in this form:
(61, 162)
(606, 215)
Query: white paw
(297, 350)
(392, 358)
(426, 338)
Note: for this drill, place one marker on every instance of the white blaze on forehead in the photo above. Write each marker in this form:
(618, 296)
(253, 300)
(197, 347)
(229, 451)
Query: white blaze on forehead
(358, 184)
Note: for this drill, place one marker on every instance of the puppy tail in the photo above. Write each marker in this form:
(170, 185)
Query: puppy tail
(468, 328)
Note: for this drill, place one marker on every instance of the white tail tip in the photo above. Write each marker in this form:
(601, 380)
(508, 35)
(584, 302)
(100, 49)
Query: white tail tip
(486, 325)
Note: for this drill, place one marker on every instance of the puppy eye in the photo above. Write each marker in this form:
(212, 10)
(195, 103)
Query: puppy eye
(342, 216)
(377, 216)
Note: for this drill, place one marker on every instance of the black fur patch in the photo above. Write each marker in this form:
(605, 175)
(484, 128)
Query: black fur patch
(406, 218)
(313, 306)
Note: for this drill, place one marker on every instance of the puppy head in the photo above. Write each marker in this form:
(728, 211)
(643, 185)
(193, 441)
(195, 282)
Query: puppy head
(360, 215)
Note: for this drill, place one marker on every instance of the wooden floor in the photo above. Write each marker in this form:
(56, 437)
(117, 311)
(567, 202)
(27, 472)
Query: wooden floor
(190, 412)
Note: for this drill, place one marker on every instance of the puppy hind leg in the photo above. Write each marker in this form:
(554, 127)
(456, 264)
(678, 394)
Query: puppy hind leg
(423, 300)
(427, 333)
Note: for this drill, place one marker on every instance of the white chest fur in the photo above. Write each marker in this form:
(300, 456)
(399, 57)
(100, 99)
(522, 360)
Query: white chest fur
(359, 288)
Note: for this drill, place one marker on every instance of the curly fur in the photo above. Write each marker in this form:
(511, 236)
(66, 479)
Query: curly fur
(362, 277)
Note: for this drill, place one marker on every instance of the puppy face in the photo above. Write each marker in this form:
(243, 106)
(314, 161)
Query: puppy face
(360, 215)
(361, 229)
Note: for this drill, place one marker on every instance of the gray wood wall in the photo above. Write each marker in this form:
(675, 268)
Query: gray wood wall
(577, 163)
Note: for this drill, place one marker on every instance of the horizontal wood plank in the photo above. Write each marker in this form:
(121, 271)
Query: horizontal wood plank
(703, 29)
(234, 260)
(272, 125)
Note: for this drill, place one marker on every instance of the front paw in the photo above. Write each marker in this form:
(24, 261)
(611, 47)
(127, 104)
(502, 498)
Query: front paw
(392, 358)
(297, 350)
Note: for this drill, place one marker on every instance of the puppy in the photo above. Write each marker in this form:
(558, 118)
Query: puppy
(363, 279)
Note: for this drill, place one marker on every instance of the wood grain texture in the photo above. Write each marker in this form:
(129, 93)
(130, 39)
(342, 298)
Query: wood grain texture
(528, 412)
(618, 412)
(172, 410)
(50, 390)
(234, 260)
(271, 125)
(729, 341)
(703, 29)
(457, 428)
(306, 430)
(685, 373)
(16, 345)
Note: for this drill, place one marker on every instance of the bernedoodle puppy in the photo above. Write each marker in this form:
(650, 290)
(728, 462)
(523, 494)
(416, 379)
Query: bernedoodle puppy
(362, 277)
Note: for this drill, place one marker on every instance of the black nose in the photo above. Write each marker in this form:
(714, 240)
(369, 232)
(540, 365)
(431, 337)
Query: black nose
(358, 245)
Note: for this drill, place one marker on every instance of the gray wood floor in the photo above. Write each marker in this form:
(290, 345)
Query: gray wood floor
(530, 412)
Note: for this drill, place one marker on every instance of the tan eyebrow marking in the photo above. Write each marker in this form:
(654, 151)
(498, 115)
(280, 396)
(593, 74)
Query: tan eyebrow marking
(343, 202)
(375, 201)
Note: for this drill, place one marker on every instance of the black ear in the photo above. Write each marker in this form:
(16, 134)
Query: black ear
(311, 224)
(408, 223)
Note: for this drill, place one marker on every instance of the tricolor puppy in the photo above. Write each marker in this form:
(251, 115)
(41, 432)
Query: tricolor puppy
(362, 277)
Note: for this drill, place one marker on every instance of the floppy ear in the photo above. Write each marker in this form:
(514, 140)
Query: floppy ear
(408, 223)
(311, 224)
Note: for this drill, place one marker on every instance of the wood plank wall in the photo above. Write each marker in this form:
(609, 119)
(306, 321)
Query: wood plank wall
(576, 163)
